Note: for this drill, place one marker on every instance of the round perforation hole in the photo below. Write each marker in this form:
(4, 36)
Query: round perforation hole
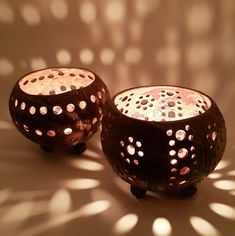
(43, 110)
(68, 131)
(51, 133)
(70, 107)
(180, 135)
(190, 137)
(184, 171)
(38, 132)
(172, 152)
(130, 149)
(182, 153)
(73, 87)
(169, 132)
(172, 142)
(62, 88)
(140, 154)
(32, 110)
(22, 105)
(16, 103)
(57, 110)
(214, 135)
(93, 98)
(174, 161)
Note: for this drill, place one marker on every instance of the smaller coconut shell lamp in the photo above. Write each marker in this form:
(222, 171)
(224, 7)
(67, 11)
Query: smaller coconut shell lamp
(58, 107)
(163, 138)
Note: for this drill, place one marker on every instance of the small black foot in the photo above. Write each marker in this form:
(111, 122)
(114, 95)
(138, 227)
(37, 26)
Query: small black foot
(79, 148)
(47, 148)
(138, 192)
(189, 191)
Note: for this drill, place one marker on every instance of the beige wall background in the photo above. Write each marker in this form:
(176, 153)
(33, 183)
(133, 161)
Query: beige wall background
(126, 42)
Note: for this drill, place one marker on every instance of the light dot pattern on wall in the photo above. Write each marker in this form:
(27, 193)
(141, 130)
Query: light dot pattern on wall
(86, 56)
(6, 67)
(31, 15)
(107, 56)
(37, 63)
(6, 13)
(133, 55)
(63, 57)
(88, 12)
(59, 9)
(115, 11)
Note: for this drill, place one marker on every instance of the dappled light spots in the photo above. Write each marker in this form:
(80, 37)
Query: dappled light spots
(199, 55)
(161, 227)
(86, 56)
(30, 15)
(92, 154)
(133, 55)
(60, 202)
(231, 173)
(225, 184)
(214, 175)
(5, 125)
(63, 57)
(203, 227)
(125, 224)
(87, 165)
(18, 212)
(94, 208)
(4, 195)
(80, 183)
(6, 13)
(107, 56)
(37, 63)
(223, 210)
(222, 164)
(199, 18)
(59, 9)
(6, 67)
(87, 12)
(115, 11)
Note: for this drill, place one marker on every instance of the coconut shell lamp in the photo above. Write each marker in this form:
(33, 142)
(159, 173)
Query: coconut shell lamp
(163, 138)
(58, 107)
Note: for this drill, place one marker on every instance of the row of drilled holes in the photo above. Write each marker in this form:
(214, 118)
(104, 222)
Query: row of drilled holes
(50, 76)
(180, 135)
(57, 110)
(52, 133)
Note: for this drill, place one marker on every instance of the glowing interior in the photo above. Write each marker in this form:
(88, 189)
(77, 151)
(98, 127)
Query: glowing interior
(56, 81)
(161, 103)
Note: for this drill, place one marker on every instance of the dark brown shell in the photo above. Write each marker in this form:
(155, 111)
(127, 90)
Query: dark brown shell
(149, 164)
(50, 129)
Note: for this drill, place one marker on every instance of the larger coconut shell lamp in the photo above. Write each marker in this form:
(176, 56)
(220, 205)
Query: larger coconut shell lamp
(163, 138)
(58, 107)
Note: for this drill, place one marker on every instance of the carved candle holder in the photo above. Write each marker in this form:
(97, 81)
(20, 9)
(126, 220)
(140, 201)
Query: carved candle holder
(58, 107)
(163, 138)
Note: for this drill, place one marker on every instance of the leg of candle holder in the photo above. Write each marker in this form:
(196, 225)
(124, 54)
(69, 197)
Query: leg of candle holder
(138, 192)
(79, 148)
(47, 148)
(189, 191)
